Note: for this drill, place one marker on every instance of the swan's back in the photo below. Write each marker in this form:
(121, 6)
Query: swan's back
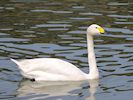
(49, 69)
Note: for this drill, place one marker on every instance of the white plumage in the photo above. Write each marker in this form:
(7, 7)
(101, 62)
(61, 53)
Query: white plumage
(53, 69)
(49, 69)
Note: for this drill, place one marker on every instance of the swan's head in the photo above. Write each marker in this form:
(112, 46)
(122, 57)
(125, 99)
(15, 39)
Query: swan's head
(95, 29)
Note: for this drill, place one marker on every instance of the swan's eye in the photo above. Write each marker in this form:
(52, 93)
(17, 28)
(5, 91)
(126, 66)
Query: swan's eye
(96, 27)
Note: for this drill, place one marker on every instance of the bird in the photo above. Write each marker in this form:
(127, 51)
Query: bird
(54, 69)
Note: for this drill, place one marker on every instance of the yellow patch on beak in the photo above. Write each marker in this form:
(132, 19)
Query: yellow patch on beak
(101, 30)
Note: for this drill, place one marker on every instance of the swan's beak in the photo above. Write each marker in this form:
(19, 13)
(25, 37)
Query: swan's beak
(101, 30)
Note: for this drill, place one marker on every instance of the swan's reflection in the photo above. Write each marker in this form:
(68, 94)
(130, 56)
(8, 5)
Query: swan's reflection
(58, 90)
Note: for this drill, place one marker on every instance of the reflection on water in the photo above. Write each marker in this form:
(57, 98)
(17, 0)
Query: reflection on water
(55, 28)
(57, 90)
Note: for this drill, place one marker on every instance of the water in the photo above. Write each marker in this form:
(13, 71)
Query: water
(56, 28)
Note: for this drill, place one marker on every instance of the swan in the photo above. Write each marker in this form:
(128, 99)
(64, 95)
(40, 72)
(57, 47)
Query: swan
(53, 69)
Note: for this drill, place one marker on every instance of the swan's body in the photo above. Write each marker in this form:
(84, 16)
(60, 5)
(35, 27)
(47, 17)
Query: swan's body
(53, 69)
(50, 69)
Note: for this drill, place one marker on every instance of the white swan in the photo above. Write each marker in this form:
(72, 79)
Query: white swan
(53, 69)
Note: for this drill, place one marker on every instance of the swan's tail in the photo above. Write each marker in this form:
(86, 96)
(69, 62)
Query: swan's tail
(15, 61)
(18, 65)
(21, 68)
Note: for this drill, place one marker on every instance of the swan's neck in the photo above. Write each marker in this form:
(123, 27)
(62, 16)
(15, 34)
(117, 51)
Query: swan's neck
(93, 74)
